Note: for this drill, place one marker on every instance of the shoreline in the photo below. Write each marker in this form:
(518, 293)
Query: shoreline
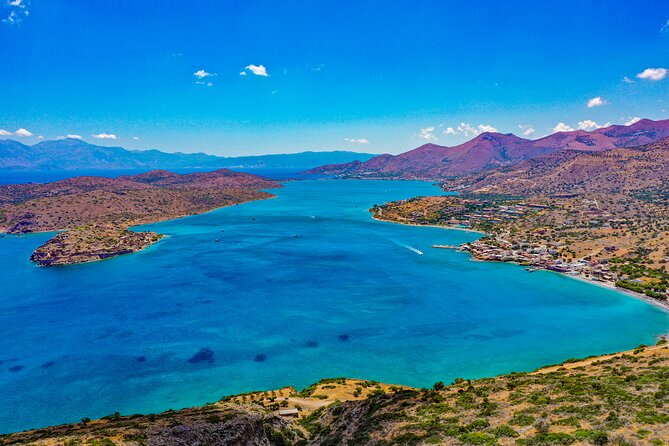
(454, 228)
(639, 296)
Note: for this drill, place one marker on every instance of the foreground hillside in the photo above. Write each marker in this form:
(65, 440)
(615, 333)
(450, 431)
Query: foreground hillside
(494, 150)
(619, 399)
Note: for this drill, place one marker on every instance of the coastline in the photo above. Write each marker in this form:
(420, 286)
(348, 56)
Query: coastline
(655, 302)
(455, 228)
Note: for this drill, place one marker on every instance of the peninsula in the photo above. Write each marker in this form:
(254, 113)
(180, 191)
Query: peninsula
(95, 212)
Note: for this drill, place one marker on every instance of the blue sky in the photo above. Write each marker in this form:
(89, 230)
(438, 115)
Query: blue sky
(375, 76)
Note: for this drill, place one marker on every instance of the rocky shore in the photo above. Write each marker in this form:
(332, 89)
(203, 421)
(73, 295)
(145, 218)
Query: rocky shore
(617, 399)
(91, 243)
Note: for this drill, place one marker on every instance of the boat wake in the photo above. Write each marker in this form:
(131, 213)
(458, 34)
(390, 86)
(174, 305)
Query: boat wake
(412, 249)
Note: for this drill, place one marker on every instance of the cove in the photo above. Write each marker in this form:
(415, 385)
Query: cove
(285, 291)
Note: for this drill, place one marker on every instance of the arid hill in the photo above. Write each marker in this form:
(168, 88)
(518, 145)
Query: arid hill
(620, 170)
(619, 399)
(128, 200)
(494, 150)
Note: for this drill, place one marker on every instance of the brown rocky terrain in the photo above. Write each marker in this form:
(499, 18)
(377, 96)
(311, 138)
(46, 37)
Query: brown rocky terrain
(621, 170)
(97, 211)
(90, 243)
(125, 201)
(620, 399)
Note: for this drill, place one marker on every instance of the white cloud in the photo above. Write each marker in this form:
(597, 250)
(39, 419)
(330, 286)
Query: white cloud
(201, 74)
(468, 129)
(242, 73)
(562, 127)
(357, 140)
(18, 10)
(486, 128)
(653, 74)
(105, 136)
(74, 136)
(258, 70)
(5, 133)
(136, 138)
(589, 125)
(527, 130)
(426, 134)
(632, 119)
(208, 84)
(627, 80)
(665, 27)
(596, 102)
(23, 132)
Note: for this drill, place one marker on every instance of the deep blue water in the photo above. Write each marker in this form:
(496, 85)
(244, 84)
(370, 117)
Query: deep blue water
(308, 280)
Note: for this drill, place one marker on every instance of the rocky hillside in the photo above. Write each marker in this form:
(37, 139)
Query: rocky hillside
(494, 150)
(621, 170)
(619, 399)
(129, 200)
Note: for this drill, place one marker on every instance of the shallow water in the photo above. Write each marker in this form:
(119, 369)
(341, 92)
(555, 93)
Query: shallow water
(298, 288)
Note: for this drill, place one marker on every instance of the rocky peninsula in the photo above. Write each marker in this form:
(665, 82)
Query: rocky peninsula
(95, 212)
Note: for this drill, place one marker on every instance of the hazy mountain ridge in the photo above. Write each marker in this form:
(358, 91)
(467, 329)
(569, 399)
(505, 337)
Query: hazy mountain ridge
(495, 150)
(75, 154)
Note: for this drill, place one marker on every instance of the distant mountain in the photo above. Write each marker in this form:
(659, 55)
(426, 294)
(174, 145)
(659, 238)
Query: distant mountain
(75, 154)
(493, 150)
(642, 168)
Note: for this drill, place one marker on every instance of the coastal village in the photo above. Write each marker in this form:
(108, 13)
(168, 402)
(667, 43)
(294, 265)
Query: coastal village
(612, 239)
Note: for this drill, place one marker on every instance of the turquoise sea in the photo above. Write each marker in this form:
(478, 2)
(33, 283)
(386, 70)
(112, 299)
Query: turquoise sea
(297, 288)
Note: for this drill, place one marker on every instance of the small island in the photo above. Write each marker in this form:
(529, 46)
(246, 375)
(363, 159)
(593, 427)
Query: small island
(90, 243)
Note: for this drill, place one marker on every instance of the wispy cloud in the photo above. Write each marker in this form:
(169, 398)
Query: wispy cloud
(589, 125)
(527, 130)
(258, 70)
(562, 127)
(627, 80)
(18, 10)
(653, 74)
(23, 132)
(105, 136)
(357, 140)
(469, 130)
(207, 83)
(5, 133)
(427, 134)
(74, 136)
(632, 119)
(136, 138)
(665, 27)
(201, 74)
(596, 102)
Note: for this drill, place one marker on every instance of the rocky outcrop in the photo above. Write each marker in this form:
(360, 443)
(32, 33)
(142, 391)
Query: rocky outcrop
(91, 243)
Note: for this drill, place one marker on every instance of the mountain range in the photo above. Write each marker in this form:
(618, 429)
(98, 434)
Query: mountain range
(489, 151)
(640, 169)
(75, 154)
